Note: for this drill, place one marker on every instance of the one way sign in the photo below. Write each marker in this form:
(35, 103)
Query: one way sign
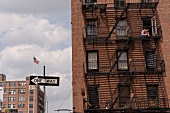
(44, 80)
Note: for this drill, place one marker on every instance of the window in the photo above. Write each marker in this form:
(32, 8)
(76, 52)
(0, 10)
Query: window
(91, 1)
(4, 91)
(21, 98)
(121, 29)
(12, 84)
(4, 98)
(31, 91)
(21, 105)
(92, 60)
(148, 25)
(30, 105)
(30, 111)
(11, 98)
(91, 27)
(22, 83)
(124, 95)
(11, 105)
(150, 57)
(123, 60)
(31, 98)
(93, 94)
(21, 111)
(119, 3)
(11, 91)
(21, 91)
(152, 92)
(4, 106)
(2, 84)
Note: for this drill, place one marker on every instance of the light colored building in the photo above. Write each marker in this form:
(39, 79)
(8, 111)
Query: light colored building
(20, 97)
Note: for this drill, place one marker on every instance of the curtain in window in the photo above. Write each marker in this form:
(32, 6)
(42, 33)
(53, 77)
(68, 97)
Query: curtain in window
(91, 28)
(92, 60)
(121, 28)
(122, 62)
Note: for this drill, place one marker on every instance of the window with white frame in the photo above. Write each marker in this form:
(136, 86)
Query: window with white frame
(21, 98)
(123, 60)
(11, 105)
(21, 91)
(11, 98)
(12, 91)
(92, 58)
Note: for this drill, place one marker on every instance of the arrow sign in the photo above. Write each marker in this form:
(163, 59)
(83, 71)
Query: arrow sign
(44, 80)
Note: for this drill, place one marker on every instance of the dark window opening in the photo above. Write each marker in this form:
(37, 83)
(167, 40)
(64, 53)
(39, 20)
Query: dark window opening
(124, 100)
(150, 58)
(119, 3)
(93, 96)
(152, 92)
(147, 24)
(90, 1)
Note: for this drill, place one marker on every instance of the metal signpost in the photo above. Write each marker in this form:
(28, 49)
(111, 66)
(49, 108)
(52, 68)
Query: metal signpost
(44, 80)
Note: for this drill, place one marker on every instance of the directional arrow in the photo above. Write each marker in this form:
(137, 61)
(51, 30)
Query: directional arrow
(44, 80)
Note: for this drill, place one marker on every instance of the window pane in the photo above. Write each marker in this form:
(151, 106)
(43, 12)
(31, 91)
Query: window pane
(122, 62)
(150, 60)
(152, 92)
(92, 60)
(91, 27)
(121, 28)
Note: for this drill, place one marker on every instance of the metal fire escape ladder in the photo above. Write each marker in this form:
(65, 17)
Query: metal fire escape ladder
(113, 103)
(117, 21)
(118, 96)
(119, 55)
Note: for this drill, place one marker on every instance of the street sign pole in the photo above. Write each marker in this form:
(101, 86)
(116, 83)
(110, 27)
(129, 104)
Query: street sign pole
(44, 94)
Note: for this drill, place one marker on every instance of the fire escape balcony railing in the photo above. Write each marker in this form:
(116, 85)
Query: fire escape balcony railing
(93, 5)
(95, 34)
(125, 103)
(124, 67)
(99, 34)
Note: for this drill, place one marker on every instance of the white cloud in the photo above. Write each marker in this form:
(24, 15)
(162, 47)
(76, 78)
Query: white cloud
(24, 36)
(29, 29)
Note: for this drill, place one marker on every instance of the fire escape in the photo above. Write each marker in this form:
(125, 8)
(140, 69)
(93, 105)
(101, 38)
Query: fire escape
(124, 71)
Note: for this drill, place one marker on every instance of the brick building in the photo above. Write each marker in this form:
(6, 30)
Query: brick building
(20, 97)
(114, 68)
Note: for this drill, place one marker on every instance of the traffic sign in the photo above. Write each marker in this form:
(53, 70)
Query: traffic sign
(44, 80)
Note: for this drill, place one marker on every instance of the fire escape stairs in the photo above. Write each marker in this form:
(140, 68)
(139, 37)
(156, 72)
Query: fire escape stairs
(113, 66)
(117, 21)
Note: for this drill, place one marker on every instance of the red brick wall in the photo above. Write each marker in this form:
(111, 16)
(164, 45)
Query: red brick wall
(164, 16)
(78, 54)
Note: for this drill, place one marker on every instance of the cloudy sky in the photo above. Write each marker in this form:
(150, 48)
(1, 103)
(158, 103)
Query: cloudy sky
(39, 28)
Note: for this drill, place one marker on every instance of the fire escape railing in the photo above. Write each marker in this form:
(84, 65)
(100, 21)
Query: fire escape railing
(132, 102)
(117, 21)
(100, 34)
(135, 66)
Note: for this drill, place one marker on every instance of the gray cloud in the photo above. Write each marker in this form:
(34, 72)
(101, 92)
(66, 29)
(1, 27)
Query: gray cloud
(35, 6)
